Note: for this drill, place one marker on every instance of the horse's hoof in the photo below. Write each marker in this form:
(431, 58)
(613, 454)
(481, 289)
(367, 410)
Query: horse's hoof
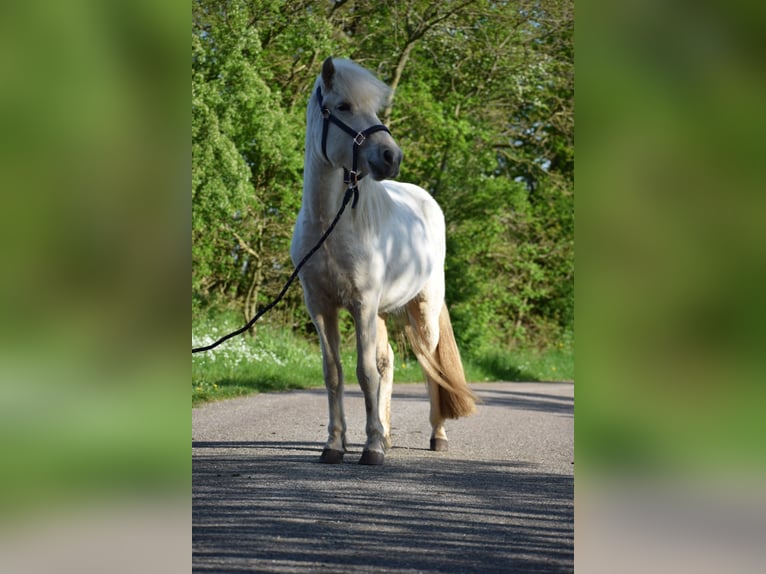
(372, 458)
(331, 456)
(439, 444)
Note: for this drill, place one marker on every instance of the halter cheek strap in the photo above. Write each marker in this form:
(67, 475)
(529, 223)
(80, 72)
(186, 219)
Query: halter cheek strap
(350, 177)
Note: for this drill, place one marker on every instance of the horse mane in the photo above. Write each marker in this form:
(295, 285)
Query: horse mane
(359, 86)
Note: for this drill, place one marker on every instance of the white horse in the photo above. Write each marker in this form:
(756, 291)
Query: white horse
(385, 255)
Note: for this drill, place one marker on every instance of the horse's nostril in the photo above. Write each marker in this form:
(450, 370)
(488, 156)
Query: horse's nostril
(388, 157)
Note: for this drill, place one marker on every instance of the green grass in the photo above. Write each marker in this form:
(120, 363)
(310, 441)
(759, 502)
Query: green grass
(272, 360)
(522, 364)
(275, 359)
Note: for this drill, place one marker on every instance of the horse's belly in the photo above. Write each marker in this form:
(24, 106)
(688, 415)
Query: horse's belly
(404, 277)
(399, 294)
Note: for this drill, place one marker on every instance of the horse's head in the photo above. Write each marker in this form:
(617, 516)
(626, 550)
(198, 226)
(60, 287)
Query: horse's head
(348, 98)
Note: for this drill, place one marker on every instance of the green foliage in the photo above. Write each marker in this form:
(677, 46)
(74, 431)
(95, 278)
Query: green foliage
(246, 159)
(483, 111)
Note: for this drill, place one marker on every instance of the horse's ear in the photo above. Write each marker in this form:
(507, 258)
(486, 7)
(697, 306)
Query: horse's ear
(328, 71)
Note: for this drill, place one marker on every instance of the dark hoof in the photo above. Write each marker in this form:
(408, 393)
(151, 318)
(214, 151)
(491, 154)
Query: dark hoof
(331, 456)
(439, 444)
(372, 458)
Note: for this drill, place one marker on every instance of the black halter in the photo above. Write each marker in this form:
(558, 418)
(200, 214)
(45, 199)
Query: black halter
(350, 177)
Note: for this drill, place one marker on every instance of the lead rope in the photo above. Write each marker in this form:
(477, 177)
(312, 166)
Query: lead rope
(352, 191)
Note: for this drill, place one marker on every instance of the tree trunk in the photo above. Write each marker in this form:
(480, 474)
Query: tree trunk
(400, 64)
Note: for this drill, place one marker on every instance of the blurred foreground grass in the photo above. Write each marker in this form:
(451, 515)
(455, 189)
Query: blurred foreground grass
(71, 436)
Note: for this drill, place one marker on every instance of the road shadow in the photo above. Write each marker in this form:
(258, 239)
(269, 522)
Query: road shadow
(528, 401)
(513, 399)
(258, 506)
(261, 444)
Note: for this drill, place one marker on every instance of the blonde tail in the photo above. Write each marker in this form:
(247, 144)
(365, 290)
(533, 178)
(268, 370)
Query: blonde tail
(443, 365)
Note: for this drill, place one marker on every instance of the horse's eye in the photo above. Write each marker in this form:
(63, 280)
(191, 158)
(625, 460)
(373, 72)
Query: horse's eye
(343, 107)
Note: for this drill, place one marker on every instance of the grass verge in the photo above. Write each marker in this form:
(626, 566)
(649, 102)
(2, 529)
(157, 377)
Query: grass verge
(276, 359)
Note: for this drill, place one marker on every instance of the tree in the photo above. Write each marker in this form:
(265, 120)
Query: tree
(482, 107)
(246, 159)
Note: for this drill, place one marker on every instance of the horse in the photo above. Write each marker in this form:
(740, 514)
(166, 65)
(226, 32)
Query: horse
(386, 255)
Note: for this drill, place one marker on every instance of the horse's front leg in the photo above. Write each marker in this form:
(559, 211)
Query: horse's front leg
(329, 338)
(369, 379)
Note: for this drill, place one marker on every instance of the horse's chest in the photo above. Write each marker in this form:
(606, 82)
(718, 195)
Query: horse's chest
(354, 266)
(345, 271)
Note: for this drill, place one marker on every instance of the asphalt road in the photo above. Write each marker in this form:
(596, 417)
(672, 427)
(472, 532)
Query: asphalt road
(501, 499)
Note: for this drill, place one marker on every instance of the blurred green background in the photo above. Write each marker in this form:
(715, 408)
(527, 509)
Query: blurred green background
(671, 262)
(94, 220)
(671, 254)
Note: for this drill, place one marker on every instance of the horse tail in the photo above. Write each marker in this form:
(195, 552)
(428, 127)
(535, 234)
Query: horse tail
(442, 365)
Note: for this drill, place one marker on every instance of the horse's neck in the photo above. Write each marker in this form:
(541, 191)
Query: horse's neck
(323, 191)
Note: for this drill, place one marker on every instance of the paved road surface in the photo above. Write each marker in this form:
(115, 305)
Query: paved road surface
(501, 500)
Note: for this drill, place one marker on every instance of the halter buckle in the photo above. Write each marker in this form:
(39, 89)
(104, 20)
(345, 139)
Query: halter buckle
(325, 113)
(359, 139)
(351, 179)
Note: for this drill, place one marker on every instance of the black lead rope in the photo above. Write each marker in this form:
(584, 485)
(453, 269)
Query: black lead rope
(350, 192)
(350, 178)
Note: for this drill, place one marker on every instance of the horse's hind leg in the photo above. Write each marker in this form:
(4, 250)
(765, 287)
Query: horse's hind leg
(424, 332)
(439, 440)
(329, 337)
(385, 356)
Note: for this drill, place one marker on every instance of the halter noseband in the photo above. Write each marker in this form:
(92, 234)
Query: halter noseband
(350, 177)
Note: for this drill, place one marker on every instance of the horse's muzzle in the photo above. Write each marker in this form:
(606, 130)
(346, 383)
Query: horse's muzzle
(385, 162)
